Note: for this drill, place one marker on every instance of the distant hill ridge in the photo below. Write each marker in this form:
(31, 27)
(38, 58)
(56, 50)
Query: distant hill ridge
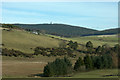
(65, 30)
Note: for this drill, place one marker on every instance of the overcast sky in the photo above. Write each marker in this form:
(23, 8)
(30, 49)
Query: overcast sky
(95, 15)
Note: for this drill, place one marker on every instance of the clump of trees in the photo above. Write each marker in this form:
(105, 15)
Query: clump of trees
(101, 50)
(63, 67)
(112, 51)
(102, 62)
(59, 67)
(94, 62)
(73, 45)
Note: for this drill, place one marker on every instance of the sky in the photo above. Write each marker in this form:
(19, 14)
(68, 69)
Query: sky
(94, 15)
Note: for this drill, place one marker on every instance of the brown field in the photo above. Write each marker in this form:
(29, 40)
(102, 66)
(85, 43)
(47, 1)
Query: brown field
(21, 69)
(24, 67)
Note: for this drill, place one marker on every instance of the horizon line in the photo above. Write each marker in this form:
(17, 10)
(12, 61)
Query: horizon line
(61, 23)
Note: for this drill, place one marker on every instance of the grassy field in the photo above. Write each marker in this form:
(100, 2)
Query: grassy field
(25, 67)
(97, 74)
(22, 67)
(111, 40)
(23, 41)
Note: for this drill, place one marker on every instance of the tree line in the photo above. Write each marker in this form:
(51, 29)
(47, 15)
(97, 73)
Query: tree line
(94, 62)
(63, 67)
(11, 26)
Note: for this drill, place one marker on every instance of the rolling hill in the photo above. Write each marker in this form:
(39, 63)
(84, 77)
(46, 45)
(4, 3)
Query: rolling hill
(65, 30)
(107, 32)
(58, 29)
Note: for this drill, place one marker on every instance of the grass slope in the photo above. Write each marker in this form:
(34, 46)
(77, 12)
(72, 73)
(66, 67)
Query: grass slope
(23, 41)
(111, 40)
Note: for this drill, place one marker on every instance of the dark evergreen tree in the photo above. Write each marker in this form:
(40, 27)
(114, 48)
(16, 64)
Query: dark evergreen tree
(104, 61)
(98, 62)
(61, 67)
(98, 50)
(70, 44)
(67, 61)
(89, 46)
(117, 48)
(110, 61)
(49, 70)
(78, 64)
(88, 62)
(105, 49)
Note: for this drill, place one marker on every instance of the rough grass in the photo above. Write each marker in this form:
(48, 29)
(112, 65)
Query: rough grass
(25, 67)
(97, 74)
(111, 40)
(23, 41)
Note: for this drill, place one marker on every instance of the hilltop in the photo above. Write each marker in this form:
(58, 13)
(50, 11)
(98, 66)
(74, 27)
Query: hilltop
(65, 30)
(62, 30)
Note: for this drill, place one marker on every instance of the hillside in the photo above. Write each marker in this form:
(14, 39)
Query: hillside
(97, 40)
(108, 32)
(66, 30)
(58, 29)
(24, 41)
